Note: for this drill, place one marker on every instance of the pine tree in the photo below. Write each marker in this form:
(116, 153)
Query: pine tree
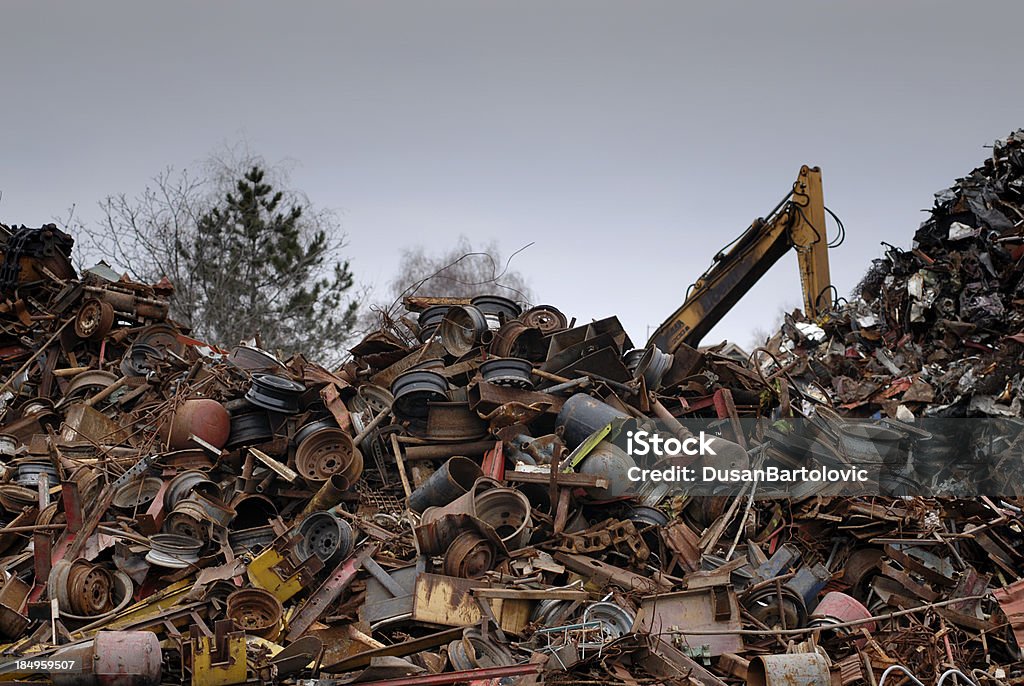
(260, 268)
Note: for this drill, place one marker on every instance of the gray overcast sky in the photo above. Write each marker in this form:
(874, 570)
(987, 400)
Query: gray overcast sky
(627, 140)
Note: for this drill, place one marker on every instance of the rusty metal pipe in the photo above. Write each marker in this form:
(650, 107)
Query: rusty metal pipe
(248, 485)
(264, 484)
(329, 495)
(581, 382)
(369, 428)
(454, 478)
(107, 392)
(440, 452)
(664, 415)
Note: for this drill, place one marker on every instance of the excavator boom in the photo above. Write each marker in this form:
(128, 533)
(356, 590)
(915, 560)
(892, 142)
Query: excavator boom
(798, 222)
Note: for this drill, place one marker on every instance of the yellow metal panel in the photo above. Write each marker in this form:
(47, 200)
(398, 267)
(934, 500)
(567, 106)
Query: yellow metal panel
(263, 575)
(217, 670)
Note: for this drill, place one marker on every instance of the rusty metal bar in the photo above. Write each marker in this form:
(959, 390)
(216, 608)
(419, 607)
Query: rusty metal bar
(328, 592)
(469, 675)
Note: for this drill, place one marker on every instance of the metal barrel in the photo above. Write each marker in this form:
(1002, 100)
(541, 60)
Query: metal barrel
(582, 415)
(121, 658)
(799, 669)
(453, 479)
(611, 462)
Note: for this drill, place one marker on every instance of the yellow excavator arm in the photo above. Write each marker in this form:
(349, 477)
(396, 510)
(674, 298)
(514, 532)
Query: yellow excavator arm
(797, 222)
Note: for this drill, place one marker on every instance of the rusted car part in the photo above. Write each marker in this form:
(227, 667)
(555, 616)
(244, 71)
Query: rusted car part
(27, 472)
(187, 482)
(517, 339)
(174, 551)
(94, 320)
(469, 556)
(326, 536)
(505, 510)
(511, 372)
(256, 612)
(547, 318)
(429, 320)
(86, 592)
(141, 359)
(328, 452)
(276, 393)
(249, 428)
(477, 651)
(197, 516)
(462, 329)
(453, 422)
(124, 658)
(89, 383)
(652, 366)
(496, 308)
(135, 496)
(414, 390)
(611, 534)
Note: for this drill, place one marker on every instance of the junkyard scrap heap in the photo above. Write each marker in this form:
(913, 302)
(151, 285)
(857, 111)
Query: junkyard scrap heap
(454, 505)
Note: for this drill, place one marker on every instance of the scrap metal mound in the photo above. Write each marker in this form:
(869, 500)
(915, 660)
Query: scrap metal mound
(454, 505)
(937, 330)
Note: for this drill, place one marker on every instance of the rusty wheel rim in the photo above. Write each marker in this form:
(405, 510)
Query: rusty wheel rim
(469, 556)
(324, 454)
(89, 589)
(256, 612)
(94, 320)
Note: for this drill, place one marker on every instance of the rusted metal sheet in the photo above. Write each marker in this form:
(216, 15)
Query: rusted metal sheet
(1011, 602)
(714, 608)
(450, 601)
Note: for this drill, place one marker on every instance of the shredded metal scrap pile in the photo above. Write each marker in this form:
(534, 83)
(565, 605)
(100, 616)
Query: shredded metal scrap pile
(452, 505)
(938, 330)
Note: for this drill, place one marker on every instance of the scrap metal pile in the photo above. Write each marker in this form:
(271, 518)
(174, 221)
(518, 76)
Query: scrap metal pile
(454, 505)
(938, 330)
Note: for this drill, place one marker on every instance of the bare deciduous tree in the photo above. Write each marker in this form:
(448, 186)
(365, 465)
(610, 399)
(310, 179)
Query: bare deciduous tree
(246, 255)
(459, 272)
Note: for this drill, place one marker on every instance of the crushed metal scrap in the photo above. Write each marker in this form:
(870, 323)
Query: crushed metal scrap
(449, 507)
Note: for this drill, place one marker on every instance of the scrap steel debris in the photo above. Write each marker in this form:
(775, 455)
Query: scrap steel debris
(452, 505)
(938, 330)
